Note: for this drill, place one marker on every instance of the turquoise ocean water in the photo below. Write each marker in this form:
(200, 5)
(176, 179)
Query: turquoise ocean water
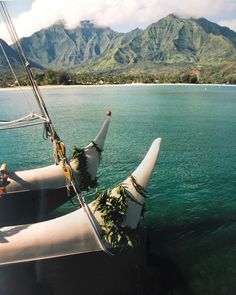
(191, 207)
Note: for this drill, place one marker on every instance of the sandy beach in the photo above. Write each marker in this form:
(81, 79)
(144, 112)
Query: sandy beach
(115, 85)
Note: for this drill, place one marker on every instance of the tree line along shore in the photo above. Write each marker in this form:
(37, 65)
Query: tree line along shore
(62, 77)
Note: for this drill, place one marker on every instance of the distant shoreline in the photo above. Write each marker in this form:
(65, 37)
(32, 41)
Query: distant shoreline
(119, 85)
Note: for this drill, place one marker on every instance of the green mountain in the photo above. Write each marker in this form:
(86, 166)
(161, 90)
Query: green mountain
(58, 47)
(7, 53)
(171, 45)
(172, 42)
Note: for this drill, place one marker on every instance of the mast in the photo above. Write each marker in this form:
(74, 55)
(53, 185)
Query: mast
(59, 147)
(37, 94)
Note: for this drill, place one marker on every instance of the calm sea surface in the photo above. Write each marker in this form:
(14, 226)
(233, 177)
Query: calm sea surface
(191, 208)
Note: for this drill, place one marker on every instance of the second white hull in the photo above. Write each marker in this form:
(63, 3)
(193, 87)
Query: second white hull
(71, 233)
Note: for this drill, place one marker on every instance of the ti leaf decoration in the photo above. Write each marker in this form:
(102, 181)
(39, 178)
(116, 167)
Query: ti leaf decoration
(82, 170)
(112, 204)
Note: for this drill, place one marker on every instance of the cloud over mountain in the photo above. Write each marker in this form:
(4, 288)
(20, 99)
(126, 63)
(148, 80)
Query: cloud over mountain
(125, 14)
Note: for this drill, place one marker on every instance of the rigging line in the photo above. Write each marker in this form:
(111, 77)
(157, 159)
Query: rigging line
(87, 210)
(25, 63)
(26, 121)
(40, 117)
(28, 118)
(12, 31)
(19, 120)
(97, 233)
(50, 129)
(15, 77)
(20, 126)
(66, 164)
(9, 28)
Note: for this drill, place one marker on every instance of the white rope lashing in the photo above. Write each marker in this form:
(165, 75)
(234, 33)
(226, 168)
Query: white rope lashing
(22, 122)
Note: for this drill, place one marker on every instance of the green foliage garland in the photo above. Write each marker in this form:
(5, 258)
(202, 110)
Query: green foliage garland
(113, 208)
(85, 179)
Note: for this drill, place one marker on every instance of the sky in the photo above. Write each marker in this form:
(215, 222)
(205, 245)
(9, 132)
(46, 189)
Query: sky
(30, 16)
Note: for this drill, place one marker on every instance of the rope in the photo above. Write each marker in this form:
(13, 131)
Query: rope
(90, 217)
(15, 77)
(139, 189)
(59, 150)
(99, 151)
(22, 122)
(12, 32)
(20, 126)
(84, 206)
(18, 120)
(96, 147)
(24, 61)
(25, 64)
(29, 117)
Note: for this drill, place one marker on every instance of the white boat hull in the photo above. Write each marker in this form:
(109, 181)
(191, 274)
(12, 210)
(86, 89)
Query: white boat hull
(71, 233)
(33, 193)
(53, 176)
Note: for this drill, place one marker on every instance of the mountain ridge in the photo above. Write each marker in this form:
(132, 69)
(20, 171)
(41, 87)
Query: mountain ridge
(170, 42)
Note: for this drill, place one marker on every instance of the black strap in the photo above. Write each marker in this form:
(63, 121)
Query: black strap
(140, 189)
(96, 147)
(133, 199)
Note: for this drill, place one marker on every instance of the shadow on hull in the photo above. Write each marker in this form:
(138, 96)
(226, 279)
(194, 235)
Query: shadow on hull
(30, 206)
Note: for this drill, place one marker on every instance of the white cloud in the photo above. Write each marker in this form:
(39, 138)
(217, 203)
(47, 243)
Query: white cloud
(115, 13)
(229, 23)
